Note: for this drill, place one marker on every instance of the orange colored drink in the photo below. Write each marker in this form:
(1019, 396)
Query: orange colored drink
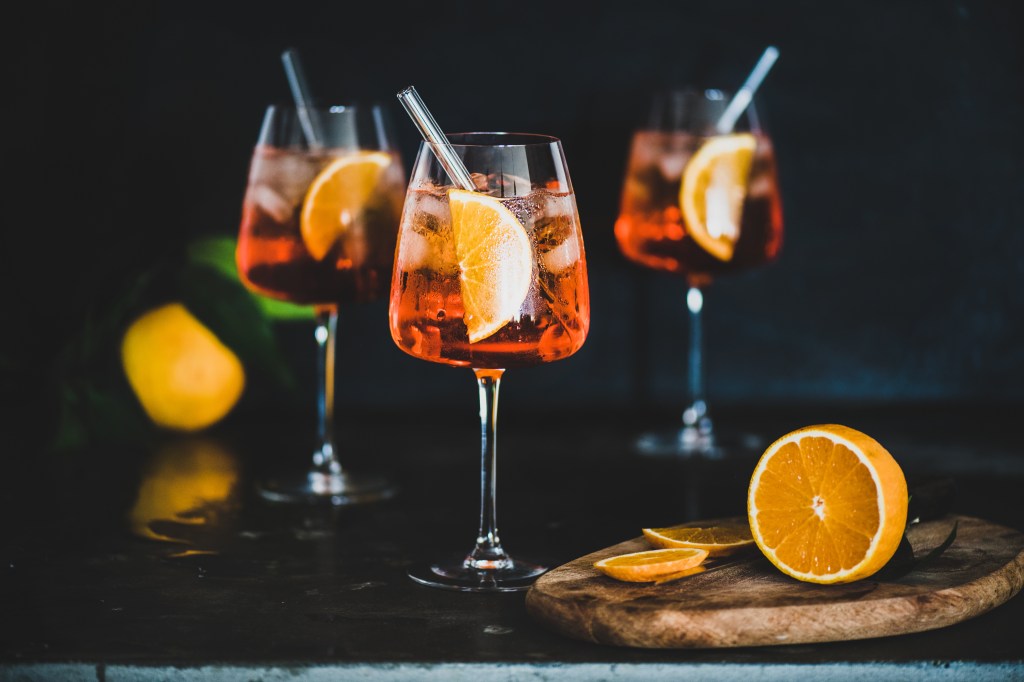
(274, 256)
(651, 229)
(428, 315)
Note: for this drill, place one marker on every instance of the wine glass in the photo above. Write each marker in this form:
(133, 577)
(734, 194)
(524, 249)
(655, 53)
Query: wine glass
(699, 203)
(319, 224)
(489, 279)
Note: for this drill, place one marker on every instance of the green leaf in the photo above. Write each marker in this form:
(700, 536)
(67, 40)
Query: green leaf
(91, 413)
(282, 310)
(903, 561)
(218, 253)
(232, 314)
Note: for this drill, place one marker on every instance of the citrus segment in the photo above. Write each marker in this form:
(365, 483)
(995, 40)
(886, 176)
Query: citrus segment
(337, 196)
(184, 377)
(713, 189)
(681, 574)
(495, 261)
(717, 540)
(640, 567)
(827, 504)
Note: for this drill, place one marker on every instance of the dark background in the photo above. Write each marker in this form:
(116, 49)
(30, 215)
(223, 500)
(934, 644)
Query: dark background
(897, 127)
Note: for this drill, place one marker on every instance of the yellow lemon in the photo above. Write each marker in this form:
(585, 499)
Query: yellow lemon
(181, 373)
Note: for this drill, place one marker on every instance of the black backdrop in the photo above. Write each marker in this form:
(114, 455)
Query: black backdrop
(897, 127)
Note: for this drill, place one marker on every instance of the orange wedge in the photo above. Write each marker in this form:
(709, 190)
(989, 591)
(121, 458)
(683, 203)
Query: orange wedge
(713, 189)
(337, 197)
(827, 504)
(717, 540)
(654, 564)
(495, 261)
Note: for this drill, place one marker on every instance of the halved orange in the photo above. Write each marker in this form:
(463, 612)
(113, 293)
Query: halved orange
(495, 261)
(713, 189)
(642, 567)
(720, 540)
(336, 198)
(827, 504)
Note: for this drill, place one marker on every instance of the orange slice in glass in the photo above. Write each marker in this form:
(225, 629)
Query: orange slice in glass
(717, 540)
(495, 261)
(651, 565)
(827, 504)
(336, 198)
(713, 189)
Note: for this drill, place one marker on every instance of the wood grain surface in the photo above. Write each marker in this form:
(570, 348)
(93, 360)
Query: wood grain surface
(751, 603)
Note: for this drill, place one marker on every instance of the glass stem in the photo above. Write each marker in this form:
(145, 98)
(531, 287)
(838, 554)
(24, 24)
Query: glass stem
(488, 553)
(695, 416)
(325, 461)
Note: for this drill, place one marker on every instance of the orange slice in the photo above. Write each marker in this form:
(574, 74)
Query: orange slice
(827, 504)
(712, 191)
(643, 567)
(336, 198)
(717, 540)
(495, 261)
(681, 574)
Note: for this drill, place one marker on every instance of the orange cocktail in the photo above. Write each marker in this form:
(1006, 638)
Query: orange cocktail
(319, 226)
(319, 223)
(735, 217)
(432, 289)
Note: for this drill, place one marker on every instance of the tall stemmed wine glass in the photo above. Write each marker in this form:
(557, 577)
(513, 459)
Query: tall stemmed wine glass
(699, 202)
(489, 274)
(319, 224)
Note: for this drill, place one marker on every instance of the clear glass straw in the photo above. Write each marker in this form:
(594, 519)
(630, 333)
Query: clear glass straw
(303, 100)
(745, 94)
(435, 137)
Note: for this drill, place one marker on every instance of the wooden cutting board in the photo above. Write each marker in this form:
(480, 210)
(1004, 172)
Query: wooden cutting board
(751, 603)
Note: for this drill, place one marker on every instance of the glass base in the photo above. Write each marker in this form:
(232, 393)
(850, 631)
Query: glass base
(456, 574)
(690, 443)
(316, 488)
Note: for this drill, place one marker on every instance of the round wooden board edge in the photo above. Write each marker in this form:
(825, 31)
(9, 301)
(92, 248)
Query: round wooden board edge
(760, 626)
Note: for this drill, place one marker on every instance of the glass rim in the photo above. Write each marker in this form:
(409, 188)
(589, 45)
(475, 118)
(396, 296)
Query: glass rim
(535, 139)
(709, 93)
(329, 107)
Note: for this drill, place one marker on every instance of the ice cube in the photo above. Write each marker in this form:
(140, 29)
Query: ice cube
(289, 174)
(426, 240)
(429, 213)
(761, 185)
(271, 202)
(671, 165)
(555, 220)
(414, 250)
(503, 185)
(563, 256)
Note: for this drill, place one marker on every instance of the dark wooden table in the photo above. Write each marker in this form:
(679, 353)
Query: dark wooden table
(100, 579)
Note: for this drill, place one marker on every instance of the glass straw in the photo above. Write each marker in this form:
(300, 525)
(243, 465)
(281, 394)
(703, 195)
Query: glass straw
(745, 94)
(435, 137)
(303, 101)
